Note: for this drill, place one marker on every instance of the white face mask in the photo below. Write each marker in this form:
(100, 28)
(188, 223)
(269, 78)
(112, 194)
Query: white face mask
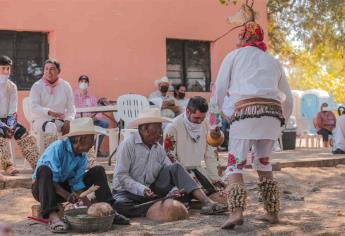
(3, 78)
(83, 85)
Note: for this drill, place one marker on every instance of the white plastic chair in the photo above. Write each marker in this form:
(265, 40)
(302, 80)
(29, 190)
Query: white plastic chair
(28, 116)
(308, 136)
(157, 102)
(130, 105)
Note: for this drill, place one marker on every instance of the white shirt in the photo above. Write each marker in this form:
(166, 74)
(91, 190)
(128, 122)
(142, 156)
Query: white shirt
(339, 139)
(61, 101)
(8, 99)
(249, 72)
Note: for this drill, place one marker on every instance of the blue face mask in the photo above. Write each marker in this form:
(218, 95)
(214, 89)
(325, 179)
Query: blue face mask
(3, 78)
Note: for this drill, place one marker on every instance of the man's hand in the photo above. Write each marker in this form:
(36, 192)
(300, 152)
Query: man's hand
(176, 194)
(57, 115)
(219, 184)
(149, 193)
(65, 127)
(73, 198)
(8, 132)
(174, 108)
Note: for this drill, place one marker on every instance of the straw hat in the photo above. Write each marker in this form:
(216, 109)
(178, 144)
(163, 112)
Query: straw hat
(152, 115)
(164, 79)
(83, 126)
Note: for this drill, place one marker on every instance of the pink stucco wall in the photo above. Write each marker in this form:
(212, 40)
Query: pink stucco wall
(121, 44)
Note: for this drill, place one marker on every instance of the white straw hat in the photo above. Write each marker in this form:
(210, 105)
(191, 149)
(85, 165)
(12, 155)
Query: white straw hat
(164, 79)
(152, 115)
(83, 126)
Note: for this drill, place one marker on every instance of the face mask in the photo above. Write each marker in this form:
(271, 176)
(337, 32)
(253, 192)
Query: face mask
(83, 85)
(181, 95)
(164, 89)
(3, 78)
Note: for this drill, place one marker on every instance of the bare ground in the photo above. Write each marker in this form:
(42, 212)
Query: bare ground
(321, 212)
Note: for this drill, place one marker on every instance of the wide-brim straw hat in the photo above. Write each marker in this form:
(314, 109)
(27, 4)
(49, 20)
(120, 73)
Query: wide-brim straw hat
(83, 126)
(164, 79)
(152, 115)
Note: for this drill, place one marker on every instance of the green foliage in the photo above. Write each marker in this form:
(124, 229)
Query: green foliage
(308, 37)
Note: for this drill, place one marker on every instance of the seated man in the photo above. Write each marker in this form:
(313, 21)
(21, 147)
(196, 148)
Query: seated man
(169, 106)
(339, 136)
(143, 172)
(180, 96)
(185, 141)
(9, 127)
(83, 98)
(60, 173)
(52, 103)
(325, 123)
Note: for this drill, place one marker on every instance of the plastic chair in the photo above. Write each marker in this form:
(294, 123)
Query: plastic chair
(130, 105)
(308, 135)
(157, 102)
(28, 116)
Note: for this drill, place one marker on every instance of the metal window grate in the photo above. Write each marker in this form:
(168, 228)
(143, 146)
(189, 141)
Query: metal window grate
(28, 50)
(188, 62)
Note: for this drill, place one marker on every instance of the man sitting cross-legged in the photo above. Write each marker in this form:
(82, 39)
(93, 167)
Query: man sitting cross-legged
(143, 172)
(60, 173)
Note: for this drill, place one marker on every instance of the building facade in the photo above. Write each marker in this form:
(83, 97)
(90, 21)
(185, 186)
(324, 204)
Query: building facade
(122, 45)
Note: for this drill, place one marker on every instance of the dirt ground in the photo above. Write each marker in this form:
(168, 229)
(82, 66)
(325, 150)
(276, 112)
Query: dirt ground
(312, 204)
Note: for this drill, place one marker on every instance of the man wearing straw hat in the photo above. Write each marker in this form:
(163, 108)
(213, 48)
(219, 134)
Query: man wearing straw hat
(60, 173)
(169, 105)
(143, 171)
(261, 101)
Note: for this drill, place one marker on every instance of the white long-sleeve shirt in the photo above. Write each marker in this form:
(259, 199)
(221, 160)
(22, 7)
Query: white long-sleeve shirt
(8, 99)
(339, 139)
(62, 100)
(249, 72)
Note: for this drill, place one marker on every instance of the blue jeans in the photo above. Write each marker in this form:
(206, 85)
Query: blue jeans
(103, 124)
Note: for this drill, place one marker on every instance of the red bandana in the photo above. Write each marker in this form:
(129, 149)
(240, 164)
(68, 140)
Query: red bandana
(49, 85)
(250, 30)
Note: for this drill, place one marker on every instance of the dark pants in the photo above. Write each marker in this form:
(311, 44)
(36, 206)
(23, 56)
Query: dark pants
(43, 189)
(126, 203)
(207, 186)
(324, 133)
(18, 129)
(338, 151)
(225, 128)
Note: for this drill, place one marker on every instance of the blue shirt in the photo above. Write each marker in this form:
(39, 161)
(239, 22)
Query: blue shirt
(64, 164)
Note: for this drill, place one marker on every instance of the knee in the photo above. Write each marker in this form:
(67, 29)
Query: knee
(44, 171)
(98, 170)
(49, 127)
(19, 131)
(176, 166)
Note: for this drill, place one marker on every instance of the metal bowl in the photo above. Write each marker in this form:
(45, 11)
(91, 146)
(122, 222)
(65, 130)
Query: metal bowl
(80, 222)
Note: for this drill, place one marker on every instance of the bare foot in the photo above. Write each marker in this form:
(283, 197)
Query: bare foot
(271, 218)
(235, 218)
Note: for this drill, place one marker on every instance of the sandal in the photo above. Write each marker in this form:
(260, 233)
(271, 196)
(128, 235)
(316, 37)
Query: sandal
(214, 208)
(58, 227)
(11, 170)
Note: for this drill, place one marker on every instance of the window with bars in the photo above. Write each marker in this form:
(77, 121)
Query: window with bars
(28, 50)
(188, 62)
